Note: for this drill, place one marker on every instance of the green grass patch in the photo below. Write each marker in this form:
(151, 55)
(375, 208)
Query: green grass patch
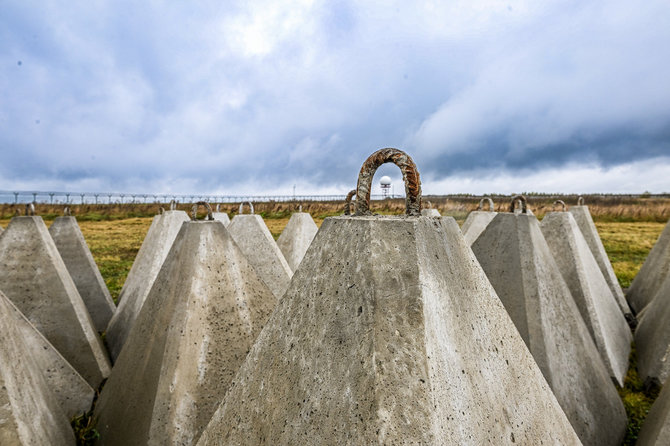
(637, 399)
(627, 246)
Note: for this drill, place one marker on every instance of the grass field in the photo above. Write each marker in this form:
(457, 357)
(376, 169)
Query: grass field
(114, 244)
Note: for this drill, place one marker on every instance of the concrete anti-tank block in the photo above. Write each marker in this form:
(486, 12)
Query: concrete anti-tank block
(652, 337)
(256, 242)
(296, 238)
(389, 333)
(29, 411)
(199, 320)
(73, 393)
(656, 428)
(517, 260)
(147, 264)
(654, 271)
(82, 268)
(596, 303)
(475, 224)
(590, 233)
(430, 213)
(34, 277)
(222, 217)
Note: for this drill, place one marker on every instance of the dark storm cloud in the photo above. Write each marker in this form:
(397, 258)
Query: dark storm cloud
(252, 98)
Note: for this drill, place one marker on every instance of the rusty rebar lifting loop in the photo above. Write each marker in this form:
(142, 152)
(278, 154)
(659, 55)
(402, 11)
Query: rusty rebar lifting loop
(347, 202)
(429, 204)
(218, 207)
(194, 211)
(173, 205)
(67, 212)
(251, 207)
(300, 208)
(562, 203)
(520, 198)
(410, 176)
(30, 209)
(580, 201)
(161, 210)
(489, 201)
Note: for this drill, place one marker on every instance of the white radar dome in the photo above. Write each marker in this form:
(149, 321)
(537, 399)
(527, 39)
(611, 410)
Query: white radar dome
(385, 180)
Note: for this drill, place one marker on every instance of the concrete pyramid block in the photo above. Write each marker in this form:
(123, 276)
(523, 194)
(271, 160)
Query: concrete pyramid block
(517, 260)
(150, 258)
(29, 411)
(256, 242)
(429, 211)
(296, 238)
(656, 428)
(34, 277)
(199, 321)
(221, 216)
(477, 221)
(82, 268)
(389, 334)
(596, 303)
(654, 271)
(73, 393)
(652, 337)
(590, 233)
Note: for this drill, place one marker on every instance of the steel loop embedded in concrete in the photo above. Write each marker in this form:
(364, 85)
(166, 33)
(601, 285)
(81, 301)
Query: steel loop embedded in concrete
(251, 207)
(520, 198)
(173, 205)
(66, 211)
(347, 202)
(562, 203)
(410, 176)
(194, 212)
(580, 201)
(481, 204)
(30, 209)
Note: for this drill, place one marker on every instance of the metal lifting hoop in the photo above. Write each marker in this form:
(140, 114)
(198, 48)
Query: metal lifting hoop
(173, 205)
(251, 207)
(580, 201)
(562, 203)
(30, 209)
(520, 198)
(194, 211)
(66, 211)
(347, 202)
(481, 204)
(410, 176)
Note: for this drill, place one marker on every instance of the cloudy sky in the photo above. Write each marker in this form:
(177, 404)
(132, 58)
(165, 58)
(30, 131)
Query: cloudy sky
(256, 97)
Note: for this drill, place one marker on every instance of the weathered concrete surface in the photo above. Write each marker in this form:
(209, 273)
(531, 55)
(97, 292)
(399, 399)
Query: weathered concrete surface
(82, 268)
(150, 258)
(430, 213)
(654, 271)
(475, 224)
(34, 277)
(29, 411)
(222, 217)
(596, 303)
(256, 242)
(296, 238)
(73, 393)
(656, 428)
(199, 321)
(389, 334)
(652, 337)
(521, 268)
(590, 233)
